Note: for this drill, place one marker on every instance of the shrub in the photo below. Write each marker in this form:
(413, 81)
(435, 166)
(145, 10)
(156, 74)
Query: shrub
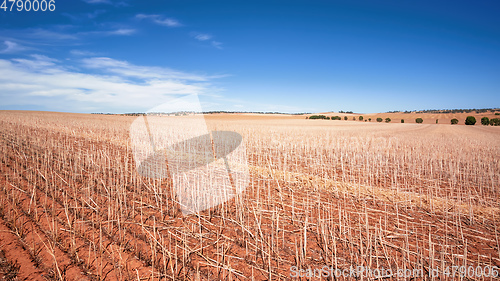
(318, 117)
(485, 121)
(436, 121)
(360, 118)
(470, 120)
(402, 120)
(369, 119)
(497, 113)
(387, 120)
(345, 117)
(419, 120)
(454, 121)
(336, 118)
(495, 122)
(379, 119)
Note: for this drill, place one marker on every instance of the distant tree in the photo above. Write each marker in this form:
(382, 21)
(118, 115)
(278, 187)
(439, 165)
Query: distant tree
(495, 121)
(485, 121)
(369, 119)
(470, 120)
(318, 117)
(360, 118)
(327, 118)
(454, 121)
(497, 113)
(402, 120)
(419, 120)
(379, 119)
(345, 117)
(387, 120)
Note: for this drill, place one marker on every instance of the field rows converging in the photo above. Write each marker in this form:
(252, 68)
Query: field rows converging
(399, 196)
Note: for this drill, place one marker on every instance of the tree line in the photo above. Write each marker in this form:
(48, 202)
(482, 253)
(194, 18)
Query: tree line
(470, 120)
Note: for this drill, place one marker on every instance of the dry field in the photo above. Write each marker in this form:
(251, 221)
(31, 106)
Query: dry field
(418, 198)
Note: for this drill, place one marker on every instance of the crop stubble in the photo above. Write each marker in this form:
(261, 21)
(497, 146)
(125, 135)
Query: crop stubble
(321, 193)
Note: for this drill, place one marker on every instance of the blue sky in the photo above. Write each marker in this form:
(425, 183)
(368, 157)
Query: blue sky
(288, 56)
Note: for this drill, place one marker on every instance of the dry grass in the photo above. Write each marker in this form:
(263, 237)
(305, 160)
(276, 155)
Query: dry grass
(400, 196)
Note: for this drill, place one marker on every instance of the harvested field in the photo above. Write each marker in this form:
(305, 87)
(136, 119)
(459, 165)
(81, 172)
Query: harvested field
(420, 198)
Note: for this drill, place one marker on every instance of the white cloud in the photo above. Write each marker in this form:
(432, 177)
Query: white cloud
(50, 35)
(121, 31)
(217, 45)
(39, 63)
(56, 35)
(82, 53)
(160, 20)
(117, 32)
(109, 86)
(11, 47)
(206, 37)
(202, 36)
(81, 17)
(126, 69)
(95, 14)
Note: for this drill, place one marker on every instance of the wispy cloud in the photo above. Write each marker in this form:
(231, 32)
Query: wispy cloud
(50, 35)
(39, 63)
(95, 14)
(82, 53)
(204, 37)
(119, 31)
(11, 47)
(126, 69)
(160, 20)
(201, 36)
(217, 45)
(78, 18)
(103, 84)
(65, 35)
